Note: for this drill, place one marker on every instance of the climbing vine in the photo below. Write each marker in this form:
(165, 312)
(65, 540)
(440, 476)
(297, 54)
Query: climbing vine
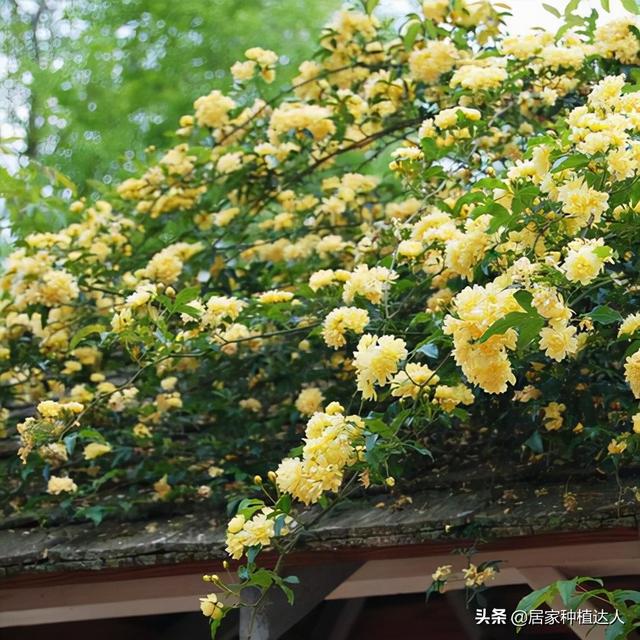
(424, 247)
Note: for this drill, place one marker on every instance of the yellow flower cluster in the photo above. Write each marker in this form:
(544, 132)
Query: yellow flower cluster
(477, 308)
(260, 59)
(341, 320)
(436, 58)
(328, 450)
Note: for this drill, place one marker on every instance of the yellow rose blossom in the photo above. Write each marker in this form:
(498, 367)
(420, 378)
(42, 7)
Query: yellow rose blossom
(309, 401)
(341, 320)
(58, 485)
(272, 297)
(376, 360)
(95, 450)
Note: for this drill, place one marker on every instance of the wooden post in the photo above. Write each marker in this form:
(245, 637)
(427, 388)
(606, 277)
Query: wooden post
(274, 616)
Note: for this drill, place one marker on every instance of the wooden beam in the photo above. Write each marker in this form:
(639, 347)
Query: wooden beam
(413, 575)
(46, 599)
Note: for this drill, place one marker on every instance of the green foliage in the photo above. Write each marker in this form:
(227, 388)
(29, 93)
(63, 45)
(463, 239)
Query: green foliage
(91, 83)
(578, 592)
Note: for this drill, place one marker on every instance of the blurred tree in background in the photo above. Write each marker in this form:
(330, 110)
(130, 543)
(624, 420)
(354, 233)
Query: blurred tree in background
(84, 83)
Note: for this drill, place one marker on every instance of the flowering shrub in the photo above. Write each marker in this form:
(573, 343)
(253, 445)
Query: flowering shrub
(426, 245)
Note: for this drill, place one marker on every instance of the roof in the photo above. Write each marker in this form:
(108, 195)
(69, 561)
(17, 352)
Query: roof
(446, 516)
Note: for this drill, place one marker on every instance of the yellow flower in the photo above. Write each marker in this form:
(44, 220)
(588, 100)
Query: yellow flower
(236, 524)
(309, 401)
(58, 287)
(49, 409)
(616, 447)
(435, 10)
(483, 363)
(559, 341)
(410, 248)
(582, 204)
(449, 397)
(478, 78)
(95, 450)
(437, 57)
(629, 325)
(553, 418)
(442, 573)
(376, 360)
(585, 259)
(272, 297)
(632, 373)
(414, 378)
(211, 607)
(162, 488)
(243, 71)
(370, 283)
(251, 404)
(341, 320)
(213, 110)
(57, 485)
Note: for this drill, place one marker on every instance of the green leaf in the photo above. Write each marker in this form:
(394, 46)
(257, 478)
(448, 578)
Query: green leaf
(605, 5)
(284, 503)
(430, 350)
(615, 630)
(95, 514)
(500, 216)
(469, 198)
(528, 331)
(523, 198)
(371, 5)
(571, 7)
(70, 442)
(430, 149)
(490, 183)
(370, 442)
(252, 553)
(535, 442)
(511, 321)
(527, 324)
(624, 595)
(605, 315)
(91, 434)
(631, 5)
(552, 10)
(262, 578)
(413, 29)
(524, 299)
(379, 427)
(603, 252)
(538, 597)
(566, 589)
(571, 162)
(81, 334)
(186, 295)
(188, 310)
(287, 592)
(215, 624)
